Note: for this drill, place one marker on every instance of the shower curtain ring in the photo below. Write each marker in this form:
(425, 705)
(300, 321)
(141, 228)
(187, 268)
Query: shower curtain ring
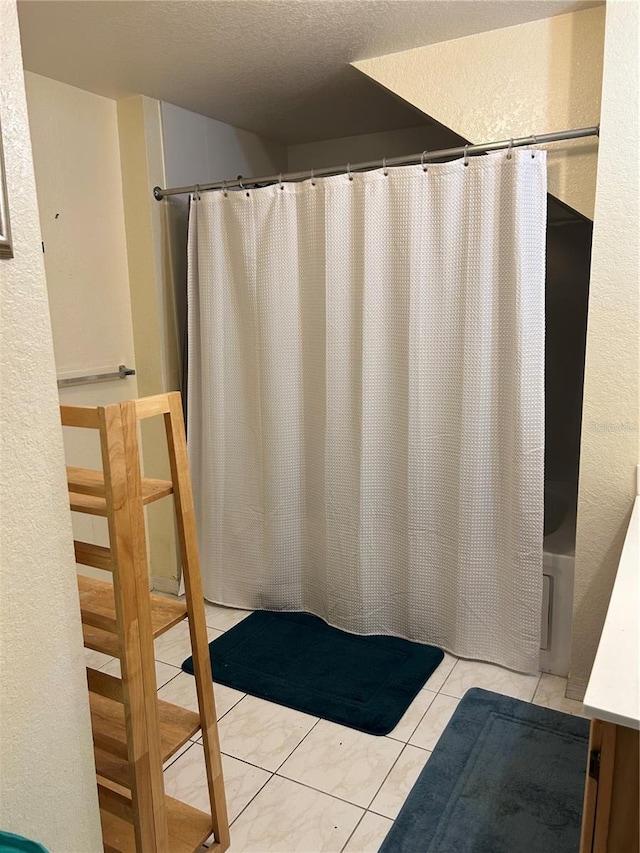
(466, 155)
(281, 184)
(385, 171)
(509, 149)
(313, 183)
(349, 175)
(196, 192)
(225, 191)
(535, 142)
(424, 168)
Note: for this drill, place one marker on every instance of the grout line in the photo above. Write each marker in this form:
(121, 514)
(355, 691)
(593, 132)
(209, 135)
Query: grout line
(241, 760)
(173, 677)
(261, 788)
(177, 754)
(392, 819)
(413, 731)
(451, 671)
(306, 785)
(413, 746)
(235, 704)
(353, 832)
(533, 695)
(404, 746)
(320, 791)
(459, 698)
(295, 747)
(444, 680)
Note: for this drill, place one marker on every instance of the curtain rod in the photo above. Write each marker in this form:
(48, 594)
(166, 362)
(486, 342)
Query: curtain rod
(406, 160)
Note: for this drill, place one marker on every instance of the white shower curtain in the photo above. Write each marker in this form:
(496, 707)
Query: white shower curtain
(366, 401)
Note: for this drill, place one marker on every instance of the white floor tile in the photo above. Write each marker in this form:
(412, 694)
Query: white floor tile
(182, 691)
(369, 834)
(164, 672)
(96, 660)
(437, 678)
(288, 818)
(466, 674)
(434, 722)
(223, 618)
(550, 694)
(186, 780)
(174, 646)
(263, 733)
(176, 755)
(342, 762)
(414, 713)
(390, 798)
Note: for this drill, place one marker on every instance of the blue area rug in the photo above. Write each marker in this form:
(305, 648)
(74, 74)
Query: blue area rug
(297, 660)
(505, 777)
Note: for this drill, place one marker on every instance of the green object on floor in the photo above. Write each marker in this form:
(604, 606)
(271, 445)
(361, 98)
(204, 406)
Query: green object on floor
(297, 660)
(10, 843)
(505, 777)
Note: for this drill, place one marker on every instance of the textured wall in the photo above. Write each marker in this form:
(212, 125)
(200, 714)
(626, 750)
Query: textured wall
(367, 146)
(610, 450)
(531, 78)
(47, 777)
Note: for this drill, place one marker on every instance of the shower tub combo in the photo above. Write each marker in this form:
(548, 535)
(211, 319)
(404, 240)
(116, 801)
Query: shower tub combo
(558, 574)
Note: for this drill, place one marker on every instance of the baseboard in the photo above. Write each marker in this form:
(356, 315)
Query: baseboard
(166, 585)
(576, 688)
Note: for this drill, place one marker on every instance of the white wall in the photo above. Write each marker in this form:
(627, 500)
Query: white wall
(367, 146)
(46, 756)
(531, 78)
(610, 420)
(76, 156)
(199, 150)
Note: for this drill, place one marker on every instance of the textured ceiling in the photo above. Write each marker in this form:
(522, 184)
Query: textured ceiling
(276, 67)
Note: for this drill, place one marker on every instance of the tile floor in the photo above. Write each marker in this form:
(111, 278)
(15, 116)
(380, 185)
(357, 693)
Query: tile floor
(299, 784)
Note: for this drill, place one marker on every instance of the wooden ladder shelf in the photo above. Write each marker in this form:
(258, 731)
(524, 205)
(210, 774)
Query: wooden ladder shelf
(134, 733)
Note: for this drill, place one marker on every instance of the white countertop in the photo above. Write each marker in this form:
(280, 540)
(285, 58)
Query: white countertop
(613, 692)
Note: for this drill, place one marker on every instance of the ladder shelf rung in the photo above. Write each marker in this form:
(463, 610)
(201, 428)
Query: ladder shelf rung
(97, 606)
(87, 494)
(86, 417)
(104, 684)
(93, 555)
(101, 641)
(115, 802)
(188, 829)
(177, 725)
(88, 504)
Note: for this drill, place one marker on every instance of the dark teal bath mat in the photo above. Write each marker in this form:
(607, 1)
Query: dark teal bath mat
(297, 660)
(505, 777)
(11, 843)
